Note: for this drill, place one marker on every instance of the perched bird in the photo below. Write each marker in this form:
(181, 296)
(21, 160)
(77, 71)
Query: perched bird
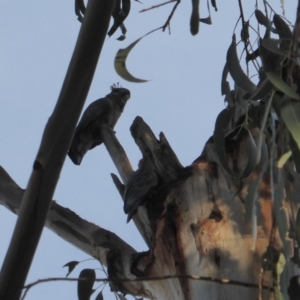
(139, 186)
(102, 111)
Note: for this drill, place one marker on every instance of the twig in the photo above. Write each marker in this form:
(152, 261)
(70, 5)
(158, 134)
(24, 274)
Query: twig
(171, 15)
(156, 6)
(156, 278)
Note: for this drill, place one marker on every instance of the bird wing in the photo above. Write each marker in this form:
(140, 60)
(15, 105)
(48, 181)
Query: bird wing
(139, 185)
(99, 109)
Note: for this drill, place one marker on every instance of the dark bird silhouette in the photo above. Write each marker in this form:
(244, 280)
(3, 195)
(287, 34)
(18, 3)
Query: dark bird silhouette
(102, 111)
(139, 187)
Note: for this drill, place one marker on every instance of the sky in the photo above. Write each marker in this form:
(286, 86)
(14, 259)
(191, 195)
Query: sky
(182, 99)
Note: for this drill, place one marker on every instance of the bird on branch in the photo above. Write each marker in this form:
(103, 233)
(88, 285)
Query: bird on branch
(139, 187)
(102, 111)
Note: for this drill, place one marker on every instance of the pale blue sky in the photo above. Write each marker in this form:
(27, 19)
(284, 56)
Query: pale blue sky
(182, 99)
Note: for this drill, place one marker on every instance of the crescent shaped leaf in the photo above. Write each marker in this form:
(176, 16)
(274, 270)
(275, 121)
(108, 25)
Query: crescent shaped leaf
(120, 61)
(236, 71)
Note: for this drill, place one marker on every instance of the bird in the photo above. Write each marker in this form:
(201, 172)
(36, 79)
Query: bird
(105, 110)
(139, 187)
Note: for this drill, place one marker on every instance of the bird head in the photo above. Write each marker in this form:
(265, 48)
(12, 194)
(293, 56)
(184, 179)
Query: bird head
(120, 95)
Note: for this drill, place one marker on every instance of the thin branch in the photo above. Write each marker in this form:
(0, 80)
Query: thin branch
(156, 6)
(171, 15)
(156, 278)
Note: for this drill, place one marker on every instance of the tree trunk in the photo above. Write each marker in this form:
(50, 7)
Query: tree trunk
(195, 224)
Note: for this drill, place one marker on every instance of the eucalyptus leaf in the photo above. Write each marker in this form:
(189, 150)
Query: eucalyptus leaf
(295, 153)
(297, 226)
(273, 45)
(222, 123)
(194, 20)
(264, 88)
(235, 70)
(225, 87)
(283, 159)
(71, 265)
(281, 285)
(207, 20)
(263, 20)
(281, 85)
(120, 61)
(121, 297)
(252, 197)
(252, 150)
(214, 4)
(283, 29)
(281, 214)
(290, 114)
(85, 284)
(100, 296)
(271, 61)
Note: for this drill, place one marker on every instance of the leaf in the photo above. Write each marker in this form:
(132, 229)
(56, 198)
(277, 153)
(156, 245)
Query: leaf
(283, 159)
(100, 296)
(121, 297)
(295, 153)
(251, 156)
(297, 226)
(251, 198)
(119, 16)
(225, 87)
(214, 4)
(194, 21)
(71, 265)
(264, 88)
(264, 158)
(207, 20)
(291, 116)
(263, 20)
(271, 61)
(273, 45)
(281, 286)
(235, 70)
(281, 85)
(85, 284)
(120, 61)
(222, 123)
(283, 29)
(281, 214)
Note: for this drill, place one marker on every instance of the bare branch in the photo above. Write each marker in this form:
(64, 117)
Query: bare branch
(116, 152)
(88, 237)
(156, 6)
(157, 278)
(171, 16)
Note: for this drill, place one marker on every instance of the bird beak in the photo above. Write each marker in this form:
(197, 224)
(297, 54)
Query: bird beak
(125, 98)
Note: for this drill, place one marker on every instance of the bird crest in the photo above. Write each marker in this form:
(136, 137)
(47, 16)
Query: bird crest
(115, 86)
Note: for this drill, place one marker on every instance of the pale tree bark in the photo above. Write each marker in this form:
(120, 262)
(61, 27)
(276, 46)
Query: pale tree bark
(195, 224)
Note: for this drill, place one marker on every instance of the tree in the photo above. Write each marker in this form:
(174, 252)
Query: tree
(213, 218)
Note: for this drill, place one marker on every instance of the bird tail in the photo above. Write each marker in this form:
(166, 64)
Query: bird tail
(75, 156)
(77, 150)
